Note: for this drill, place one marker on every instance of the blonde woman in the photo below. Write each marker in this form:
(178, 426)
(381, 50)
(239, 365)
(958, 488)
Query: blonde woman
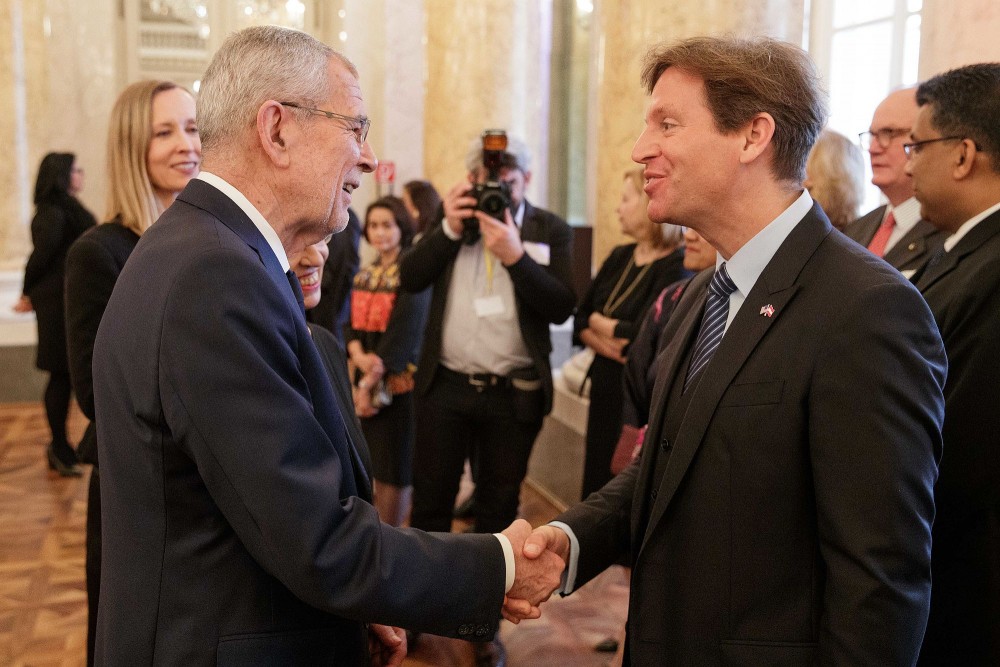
(835, 177)
(610, 313)
(153, 151)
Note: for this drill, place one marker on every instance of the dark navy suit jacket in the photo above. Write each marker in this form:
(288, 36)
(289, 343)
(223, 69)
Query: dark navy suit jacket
(237, 528)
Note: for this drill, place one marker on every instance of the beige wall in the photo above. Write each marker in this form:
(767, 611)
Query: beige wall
(57, 83)
(956, 33)
(434, 72)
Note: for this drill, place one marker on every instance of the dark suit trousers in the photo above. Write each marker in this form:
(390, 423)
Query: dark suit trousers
(455, 420)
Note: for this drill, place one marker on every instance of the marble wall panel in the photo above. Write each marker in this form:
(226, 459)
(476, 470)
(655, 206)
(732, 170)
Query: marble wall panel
(57, 84)
(487, 67)
(958, 33)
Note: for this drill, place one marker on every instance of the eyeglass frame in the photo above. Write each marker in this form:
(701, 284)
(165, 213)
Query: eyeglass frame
(892, 132)
(914, 147)
(364, 121)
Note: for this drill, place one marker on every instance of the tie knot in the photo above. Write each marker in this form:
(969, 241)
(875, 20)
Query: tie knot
(722, 285)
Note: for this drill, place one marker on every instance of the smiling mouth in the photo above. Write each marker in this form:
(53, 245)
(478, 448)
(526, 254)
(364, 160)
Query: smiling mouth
(310, 280)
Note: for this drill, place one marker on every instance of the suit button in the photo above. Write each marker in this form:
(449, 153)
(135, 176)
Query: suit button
(464, 630)
(664, 445)
(652, 494)
(482, 630)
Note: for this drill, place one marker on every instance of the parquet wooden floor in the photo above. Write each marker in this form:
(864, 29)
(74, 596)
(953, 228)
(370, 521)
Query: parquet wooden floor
(43, 600)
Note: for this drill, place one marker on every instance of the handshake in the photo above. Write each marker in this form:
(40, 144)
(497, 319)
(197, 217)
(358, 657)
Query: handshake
(540, 557)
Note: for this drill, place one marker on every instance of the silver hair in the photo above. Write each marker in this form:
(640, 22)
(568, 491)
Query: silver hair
(516, 148)
(255, 65)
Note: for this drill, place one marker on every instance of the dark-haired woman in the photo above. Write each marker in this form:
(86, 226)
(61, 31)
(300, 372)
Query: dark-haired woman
(424, 203)
(383, 342)
(59, 220)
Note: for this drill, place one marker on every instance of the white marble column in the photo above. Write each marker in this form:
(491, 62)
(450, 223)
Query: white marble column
(487, 67)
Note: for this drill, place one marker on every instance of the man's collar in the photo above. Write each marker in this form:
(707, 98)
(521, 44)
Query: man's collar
(266, 230)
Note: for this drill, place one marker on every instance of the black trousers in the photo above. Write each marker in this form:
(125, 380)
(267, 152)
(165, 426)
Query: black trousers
(496, 426)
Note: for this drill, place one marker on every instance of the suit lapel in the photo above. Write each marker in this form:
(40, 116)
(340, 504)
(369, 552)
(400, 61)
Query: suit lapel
(225, 210)
(947, 261)
(681, 330)
(914, 244)
(775, 287)
(864, 228)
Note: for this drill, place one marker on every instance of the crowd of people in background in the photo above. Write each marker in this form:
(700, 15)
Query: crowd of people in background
(437, 350)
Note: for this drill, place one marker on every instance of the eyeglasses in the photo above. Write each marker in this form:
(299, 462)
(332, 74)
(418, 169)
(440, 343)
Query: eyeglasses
(359, 124)
(882, 137)
(915, 146)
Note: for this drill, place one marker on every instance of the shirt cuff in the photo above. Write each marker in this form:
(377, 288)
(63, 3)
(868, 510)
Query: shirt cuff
(569, 574)
(508, 557)
(454, 237)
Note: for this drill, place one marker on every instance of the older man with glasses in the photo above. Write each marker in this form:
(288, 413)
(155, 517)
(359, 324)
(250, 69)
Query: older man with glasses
(894, 231)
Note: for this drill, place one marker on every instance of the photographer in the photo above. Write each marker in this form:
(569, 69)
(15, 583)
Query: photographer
(484, 383)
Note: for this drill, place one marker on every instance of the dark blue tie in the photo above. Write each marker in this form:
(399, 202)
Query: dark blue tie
(713, 324)
(293, 281)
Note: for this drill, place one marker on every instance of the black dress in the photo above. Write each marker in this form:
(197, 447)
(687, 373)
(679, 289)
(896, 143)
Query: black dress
(56, 225)
(93, 264)
(629, 296)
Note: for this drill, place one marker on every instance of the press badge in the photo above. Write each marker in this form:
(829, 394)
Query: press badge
(487, 306)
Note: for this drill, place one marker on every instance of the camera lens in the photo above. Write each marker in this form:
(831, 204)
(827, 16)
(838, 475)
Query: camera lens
(493, 204)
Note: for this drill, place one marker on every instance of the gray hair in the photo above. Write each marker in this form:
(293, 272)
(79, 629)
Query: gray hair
(255, 65)
(517, 155)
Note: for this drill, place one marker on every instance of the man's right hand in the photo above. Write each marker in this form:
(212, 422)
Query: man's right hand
(537, 572)
(458, 206)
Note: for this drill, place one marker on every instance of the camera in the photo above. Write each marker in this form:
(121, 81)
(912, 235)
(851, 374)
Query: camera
(493, 196)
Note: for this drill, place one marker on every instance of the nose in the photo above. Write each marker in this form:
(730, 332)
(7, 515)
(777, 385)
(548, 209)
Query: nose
(643, 149)
(189, 143)
(367, 160)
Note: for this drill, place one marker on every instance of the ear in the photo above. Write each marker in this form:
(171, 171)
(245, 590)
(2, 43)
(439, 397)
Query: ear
(757, 135)
(527, 178)
(273, 130)
(966, 158)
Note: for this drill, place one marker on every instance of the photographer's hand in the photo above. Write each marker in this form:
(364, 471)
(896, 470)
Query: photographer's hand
(458, 206)
(503, 239)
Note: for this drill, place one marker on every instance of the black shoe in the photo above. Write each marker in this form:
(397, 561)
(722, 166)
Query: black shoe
(467, 510)
(490, 654)
(64, 469)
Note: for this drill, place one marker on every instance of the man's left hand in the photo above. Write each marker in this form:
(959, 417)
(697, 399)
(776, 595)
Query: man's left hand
(503, 239)
(387, 645)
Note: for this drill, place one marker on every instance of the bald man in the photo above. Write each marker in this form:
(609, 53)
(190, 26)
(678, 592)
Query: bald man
(894, 231)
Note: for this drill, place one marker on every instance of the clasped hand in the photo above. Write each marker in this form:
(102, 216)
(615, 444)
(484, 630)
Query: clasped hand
(539, 560)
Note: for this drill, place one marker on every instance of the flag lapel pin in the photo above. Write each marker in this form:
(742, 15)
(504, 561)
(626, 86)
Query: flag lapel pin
(767, 311)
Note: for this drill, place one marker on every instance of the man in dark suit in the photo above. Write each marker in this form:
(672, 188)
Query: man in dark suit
(237, 522)
(483, 381)
(780, 510)
(955, 163)
(894, 231)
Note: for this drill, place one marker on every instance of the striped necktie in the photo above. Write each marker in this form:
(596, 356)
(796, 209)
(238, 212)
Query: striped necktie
(713, 323)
